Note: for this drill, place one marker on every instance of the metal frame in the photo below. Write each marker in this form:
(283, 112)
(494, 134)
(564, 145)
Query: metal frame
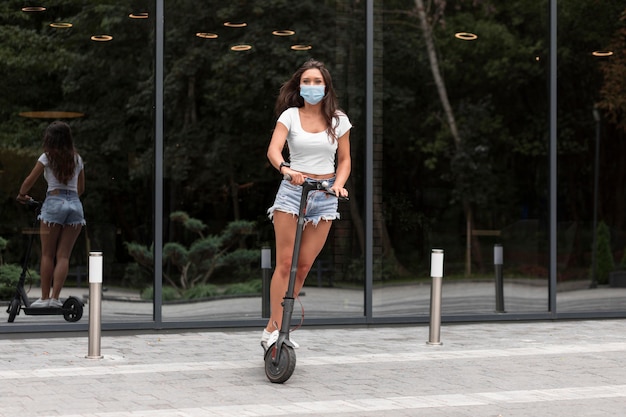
(553, 160)
(158, 159)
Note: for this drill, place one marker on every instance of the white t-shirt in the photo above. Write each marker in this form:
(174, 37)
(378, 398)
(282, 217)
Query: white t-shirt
(53, 182)
(313, 153)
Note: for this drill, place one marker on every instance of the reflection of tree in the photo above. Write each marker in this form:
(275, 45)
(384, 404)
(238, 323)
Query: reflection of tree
(613, 90)
(481, 133)
(194, 264)
(613, 103)
(427, 23)
(464, 122)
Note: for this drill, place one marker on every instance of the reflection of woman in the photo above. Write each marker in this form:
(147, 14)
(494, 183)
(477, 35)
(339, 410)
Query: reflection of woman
(317, 134)
(61, 218)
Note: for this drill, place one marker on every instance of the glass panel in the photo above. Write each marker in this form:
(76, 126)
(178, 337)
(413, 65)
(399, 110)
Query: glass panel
(591, 137)
(462, 116)
(224, 65)
(91, 65)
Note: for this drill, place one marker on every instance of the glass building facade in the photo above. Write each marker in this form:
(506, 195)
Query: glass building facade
(479, 127)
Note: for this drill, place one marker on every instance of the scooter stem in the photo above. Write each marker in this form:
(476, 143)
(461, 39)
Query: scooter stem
(288, 300)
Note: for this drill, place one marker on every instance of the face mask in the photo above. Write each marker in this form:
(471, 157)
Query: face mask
(312, 94)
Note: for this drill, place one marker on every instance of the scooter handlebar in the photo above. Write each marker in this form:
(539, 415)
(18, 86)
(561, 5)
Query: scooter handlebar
(33, 203)
(325, 187)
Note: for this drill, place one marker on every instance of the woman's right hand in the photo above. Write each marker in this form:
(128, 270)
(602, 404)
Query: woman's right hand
(294, 177)
(23, 198)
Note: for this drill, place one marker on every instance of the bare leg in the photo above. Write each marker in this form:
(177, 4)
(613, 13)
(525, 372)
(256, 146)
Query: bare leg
(313, 240)
(49, 234)
(285, 230)
(65, 244)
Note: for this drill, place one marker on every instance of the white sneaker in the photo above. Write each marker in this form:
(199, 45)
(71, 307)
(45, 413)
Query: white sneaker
(274, 337)
(55, 303)
(265, 337)
(40, 303)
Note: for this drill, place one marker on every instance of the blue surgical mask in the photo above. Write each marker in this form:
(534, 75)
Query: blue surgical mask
(312, 94)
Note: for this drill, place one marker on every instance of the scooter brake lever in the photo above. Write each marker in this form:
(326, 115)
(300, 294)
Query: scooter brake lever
(328, 190)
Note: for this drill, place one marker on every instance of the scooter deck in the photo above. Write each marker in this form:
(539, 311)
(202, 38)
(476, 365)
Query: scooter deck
(44, 311)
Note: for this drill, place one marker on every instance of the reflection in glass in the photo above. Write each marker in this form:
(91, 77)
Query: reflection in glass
(104, 90)
(224, 66)
(591, 215)
(460, 163)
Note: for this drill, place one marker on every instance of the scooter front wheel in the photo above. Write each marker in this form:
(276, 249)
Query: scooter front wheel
(281, 371)
(13, 309)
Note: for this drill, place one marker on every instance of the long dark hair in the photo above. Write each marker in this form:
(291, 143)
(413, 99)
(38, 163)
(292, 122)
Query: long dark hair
(289, 95)
(59, 147)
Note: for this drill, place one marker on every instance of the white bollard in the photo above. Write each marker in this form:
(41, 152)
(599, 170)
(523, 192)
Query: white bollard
(498, 260)
(436, 273)
(266, 266)
(95, 304)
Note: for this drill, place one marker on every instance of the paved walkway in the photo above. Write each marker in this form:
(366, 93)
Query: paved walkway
(565, 368)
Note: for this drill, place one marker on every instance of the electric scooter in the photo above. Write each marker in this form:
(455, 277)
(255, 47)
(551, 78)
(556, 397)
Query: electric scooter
(72, 308)
(280, 357)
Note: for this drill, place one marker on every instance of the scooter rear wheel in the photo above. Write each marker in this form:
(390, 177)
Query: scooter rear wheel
(73, 309)
(14, 308)
(281, 371)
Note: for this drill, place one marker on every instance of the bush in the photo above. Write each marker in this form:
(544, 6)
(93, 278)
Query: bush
(136, 276)
(167, 293)
(9, 277)
(199, 259)
(250, 287)
(201, 291)
(604, 255)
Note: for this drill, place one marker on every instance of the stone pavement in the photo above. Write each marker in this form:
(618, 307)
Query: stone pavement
(507, 369)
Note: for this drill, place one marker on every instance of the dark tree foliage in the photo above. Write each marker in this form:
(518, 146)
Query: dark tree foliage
(219, 109)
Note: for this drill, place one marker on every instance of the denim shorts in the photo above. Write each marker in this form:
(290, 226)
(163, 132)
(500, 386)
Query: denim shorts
(320, 205)
(62, 207)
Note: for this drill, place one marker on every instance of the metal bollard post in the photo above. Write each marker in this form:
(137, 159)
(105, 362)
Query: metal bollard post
(497, 263)
(266, 266)
(95, 304)
(436, 272)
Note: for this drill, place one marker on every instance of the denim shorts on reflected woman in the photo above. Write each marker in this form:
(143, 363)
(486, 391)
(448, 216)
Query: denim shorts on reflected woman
(320, 205)
(62, 207)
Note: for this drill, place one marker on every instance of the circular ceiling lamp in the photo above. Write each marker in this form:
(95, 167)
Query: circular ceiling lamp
(140, 15)
(301, 47)
(466, 36)
(241, 47)
(101, 38)
(284, 32)
(61, 25)
(235, 24)
(602, 53)
(31, 9)
(207, 35)
(51, 114)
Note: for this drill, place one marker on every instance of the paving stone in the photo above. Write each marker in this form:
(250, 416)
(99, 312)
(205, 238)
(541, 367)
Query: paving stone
(505, 369)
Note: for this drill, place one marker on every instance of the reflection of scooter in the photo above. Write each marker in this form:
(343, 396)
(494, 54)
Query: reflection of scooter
(280, 357)
(72, 309)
